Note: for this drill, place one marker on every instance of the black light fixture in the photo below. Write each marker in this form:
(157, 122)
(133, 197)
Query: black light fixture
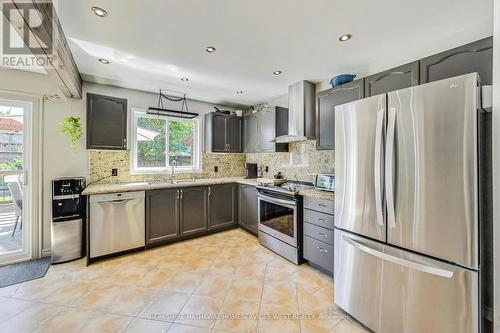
(239, 92)
(210, 49)
(185, 79)
(99, 11)
(277, 72)
(103, 61)
(345, 37)
(162, 111)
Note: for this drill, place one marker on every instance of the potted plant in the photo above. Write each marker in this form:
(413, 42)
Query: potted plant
(72, 127)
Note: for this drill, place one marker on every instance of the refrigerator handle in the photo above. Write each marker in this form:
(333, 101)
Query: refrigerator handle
(397, 260)
(389, 164)
(379, 166)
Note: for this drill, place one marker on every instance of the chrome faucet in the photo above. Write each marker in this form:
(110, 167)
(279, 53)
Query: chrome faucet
(172, 177)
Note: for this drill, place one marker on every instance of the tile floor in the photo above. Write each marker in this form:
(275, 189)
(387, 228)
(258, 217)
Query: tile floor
(225, 282)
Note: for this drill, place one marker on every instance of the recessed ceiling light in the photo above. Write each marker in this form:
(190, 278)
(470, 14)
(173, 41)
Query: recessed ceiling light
(210, 49)
(277, 72)
(103, 61)
(239, 92)
(345, 37)
(185, 79)
(99, 11)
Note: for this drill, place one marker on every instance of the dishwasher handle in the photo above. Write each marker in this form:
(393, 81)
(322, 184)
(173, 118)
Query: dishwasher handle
(117, 197)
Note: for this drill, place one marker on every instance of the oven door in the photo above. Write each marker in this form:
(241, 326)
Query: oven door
(278, 218)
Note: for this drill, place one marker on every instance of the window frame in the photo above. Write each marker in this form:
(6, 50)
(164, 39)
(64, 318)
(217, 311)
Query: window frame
(197, 146)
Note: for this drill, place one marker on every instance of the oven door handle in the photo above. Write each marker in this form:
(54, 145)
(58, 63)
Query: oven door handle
(277, 201)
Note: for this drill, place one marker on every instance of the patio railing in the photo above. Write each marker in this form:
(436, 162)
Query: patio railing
(5, 177)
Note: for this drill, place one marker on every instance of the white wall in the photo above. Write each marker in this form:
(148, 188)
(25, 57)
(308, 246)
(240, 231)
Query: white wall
(496, 164)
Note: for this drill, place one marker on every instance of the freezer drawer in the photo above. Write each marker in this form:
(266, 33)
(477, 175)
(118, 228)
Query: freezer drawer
(393, 291)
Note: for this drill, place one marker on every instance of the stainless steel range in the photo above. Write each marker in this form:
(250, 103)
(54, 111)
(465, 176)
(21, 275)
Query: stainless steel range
(280, 219)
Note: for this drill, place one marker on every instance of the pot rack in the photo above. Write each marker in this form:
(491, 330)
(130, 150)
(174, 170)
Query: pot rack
(160, 110)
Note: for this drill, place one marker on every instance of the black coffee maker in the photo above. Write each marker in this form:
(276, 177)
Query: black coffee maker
(250, 170)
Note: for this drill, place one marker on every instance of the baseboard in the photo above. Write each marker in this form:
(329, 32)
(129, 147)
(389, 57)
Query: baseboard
(46, 253)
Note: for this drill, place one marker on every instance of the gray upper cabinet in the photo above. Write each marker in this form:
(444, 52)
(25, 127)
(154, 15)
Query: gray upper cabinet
(469, 58)
(223, 133)
(260, 130)
(247, 208)
(393, 79)
(221, 206)
(106, 122)
(193, 210)
(325, 111)
(162, 215)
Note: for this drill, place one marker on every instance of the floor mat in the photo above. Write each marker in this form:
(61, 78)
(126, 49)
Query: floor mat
(24, 271)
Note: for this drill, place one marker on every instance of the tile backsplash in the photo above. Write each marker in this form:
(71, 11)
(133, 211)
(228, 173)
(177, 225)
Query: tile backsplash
(301, 163)
(101, 162)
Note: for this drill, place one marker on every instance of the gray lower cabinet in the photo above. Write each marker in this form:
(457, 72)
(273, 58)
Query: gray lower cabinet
(162, 215)
(106, 122)
(325, 111)
(247, 208)
(318, 233)
(222, 206)
(392, 79)
(193, 210)
(469, 58)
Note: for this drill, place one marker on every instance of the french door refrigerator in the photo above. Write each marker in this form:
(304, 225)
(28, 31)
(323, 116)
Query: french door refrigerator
(407, 208)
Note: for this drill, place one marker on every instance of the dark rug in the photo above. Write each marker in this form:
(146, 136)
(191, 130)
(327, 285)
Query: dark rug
(24, 271)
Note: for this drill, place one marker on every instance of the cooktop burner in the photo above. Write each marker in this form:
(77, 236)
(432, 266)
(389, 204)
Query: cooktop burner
(290, 187)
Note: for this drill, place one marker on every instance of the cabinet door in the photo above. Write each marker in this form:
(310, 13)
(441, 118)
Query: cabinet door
(106, 122)
(162, 215)
(393, 79)
(193, 210)
(325, 112)
(251, 133)
(267, 130)
(248, 208)
(470, 58)
(233, 125)
(219, 133)
(221, 206)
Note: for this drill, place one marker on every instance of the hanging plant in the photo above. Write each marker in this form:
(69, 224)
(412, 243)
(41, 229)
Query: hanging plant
(72, 127)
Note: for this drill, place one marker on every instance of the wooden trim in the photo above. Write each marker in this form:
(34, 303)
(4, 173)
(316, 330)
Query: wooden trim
(64, 71)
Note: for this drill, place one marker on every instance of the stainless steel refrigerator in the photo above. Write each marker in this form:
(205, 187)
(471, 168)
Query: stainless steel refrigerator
(407, 209)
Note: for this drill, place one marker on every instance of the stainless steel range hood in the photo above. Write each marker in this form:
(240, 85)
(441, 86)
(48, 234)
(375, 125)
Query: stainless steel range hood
(301, 113)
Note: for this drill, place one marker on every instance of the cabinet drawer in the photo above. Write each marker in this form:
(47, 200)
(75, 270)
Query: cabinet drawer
(318, 253)
(318, 233)
(321, 205)
(317, 218)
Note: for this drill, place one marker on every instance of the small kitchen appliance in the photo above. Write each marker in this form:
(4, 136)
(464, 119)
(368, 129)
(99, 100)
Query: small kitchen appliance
(324, 182)
(68, 212)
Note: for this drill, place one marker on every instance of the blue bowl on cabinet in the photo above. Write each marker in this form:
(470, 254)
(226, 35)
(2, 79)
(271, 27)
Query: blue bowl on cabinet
(342, 79)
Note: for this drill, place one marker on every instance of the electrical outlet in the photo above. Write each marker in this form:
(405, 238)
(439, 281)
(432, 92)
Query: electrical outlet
(267, 168)
(114, 172)
(216, 168)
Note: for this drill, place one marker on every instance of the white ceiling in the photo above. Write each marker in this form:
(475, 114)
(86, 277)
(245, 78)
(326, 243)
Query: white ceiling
(152, 44)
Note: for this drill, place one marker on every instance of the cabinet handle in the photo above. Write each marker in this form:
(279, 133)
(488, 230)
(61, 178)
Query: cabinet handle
(322, 220)
(177, 195)
(322, 234)
(322, 249)
(322, 205)
(182, 194)
(209, 191)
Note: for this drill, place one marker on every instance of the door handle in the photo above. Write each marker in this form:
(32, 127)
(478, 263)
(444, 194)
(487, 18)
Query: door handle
(378, 169)
(389, 174)
(397, 260)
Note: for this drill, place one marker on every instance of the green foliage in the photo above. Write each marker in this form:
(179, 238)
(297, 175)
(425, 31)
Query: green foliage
(152, 153)
(72, 127)
(17, 164)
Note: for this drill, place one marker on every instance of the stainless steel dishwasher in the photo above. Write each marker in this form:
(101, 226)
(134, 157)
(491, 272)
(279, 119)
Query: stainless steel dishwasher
(117, 222)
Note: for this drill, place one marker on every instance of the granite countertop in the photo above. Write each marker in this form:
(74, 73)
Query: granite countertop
(154, 185)
(313, 193)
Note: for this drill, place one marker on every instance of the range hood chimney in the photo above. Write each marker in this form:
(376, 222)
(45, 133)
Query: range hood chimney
(301, 113)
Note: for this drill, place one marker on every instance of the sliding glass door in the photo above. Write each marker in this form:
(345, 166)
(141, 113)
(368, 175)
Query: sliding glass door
(15, 148)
